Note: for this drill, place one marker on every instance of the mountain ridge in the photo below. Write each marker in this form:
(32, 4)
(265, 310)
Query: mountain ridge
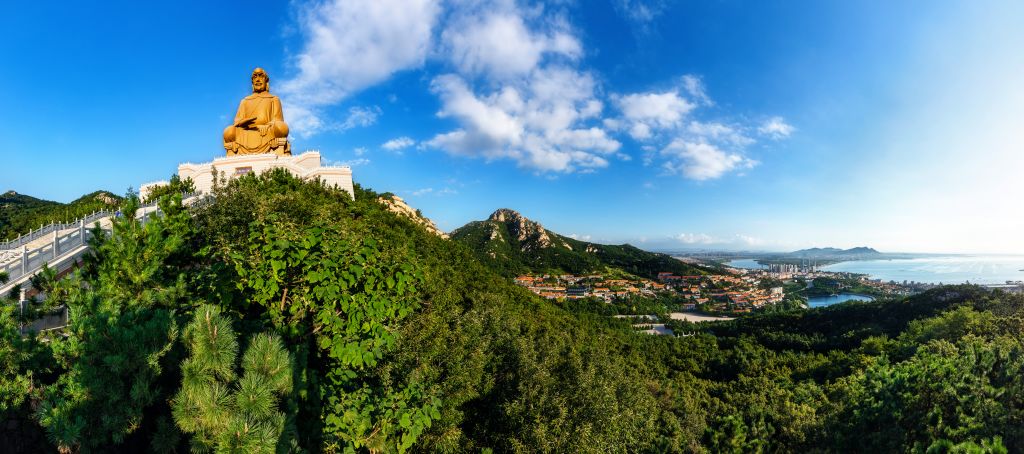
(20, 213)
(514, 244)
(831, 252)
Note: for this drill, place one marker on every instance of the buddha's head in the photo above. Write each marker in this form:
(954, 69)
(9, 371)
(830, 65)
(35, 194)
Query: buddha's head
(260, 81)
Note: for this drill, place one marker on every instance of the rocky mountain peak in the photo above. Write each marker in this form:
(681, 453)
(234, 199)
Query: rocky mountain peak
(522, 228)
(505, 215)
(106, 198)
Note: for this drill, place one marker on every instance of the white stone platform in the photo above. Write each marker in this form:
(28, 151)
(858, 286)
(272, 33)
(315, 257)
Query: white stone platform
(308, 166)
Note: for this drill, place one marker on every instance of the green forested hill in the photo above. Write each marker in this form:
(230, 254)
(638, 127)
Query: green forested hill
(512, 244)
(283, 317)
(20, 213)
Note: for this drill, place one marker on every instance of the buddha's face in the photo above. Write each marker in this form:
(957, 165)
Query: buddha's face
(259, 83)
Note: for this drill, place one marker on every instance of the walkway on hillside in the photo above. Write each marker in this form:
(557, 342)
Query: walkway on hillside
(58, 246)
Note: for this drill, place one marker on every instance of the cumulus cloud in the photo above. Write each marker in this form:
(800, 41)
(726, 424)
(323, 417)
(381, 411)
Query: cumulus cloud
(676, 133)
(499, 43)
(512, 85)
(701, 161)
(538, 121)
(719, 132)
(647, 111)
(398, 144)
(350, 45)
(516, 93)
(776, 128)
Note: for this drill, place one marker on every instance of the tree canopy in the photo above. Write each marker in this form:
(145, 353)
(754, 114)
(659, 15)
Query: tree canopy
(281, 315)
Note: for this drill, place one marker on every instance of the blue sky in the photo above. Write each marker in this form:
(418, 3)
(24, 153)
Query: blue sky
(708, 124)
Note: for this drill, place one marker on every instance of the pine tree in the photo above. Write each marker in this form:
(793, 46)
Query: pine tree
(123, 310)
(222, 409)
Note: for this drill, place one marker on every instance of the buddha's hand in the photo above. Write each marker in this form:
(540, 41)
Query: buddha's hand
(246, 123)
(263, 129)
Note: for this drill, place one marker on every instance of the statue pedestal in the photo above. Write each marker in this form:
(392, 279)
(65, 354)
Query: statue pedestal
(307, 166)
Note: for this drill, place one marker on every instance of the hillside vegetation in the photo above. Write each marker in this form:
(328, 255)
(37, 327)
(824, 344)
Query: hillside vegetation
(512, 244)
(284, 317)
(20, 213)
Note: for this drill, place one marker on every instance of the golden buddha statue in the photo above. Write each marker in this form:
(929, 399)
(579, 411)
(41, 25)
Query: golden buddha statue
(259, 123)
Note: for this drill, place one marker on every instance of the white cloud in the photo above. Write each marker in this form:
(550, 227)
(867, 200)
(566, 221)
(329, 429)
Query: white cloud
(776, 128)
(640, 131)
(350, 45)
(351, 163)
(694, 87)
(360, 117)
(499, 43)
(538, 121)
(701, 161)
(359, 151)
(514, 89)
(718, 132)
(580, 237)
(488, 119)
(432, 191)
(517, 94)
(641, 12)
(662, 110)
(700, 147)
(398, 144)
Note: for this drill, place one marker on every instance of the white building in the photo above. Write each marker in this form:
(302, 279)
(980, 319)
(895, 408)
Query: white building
(308, 166)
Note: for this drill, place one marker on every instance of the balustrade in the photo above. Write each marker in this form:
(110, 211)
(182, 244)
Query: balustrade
(61, 244)
(54, 227)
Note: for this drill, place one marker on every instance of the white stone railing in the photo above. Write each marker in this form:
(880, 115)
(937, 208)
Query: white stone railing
(54, 227)
(64, 241)
(58, 226)
(32, 259)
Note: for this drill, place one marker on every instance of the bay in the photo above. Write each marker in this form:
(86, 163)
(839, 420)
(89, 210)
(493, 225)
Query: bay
(955, 269)
(749, 264)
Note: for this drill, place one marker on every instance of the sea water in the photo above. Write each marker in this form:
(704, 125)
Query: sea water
(956, 269)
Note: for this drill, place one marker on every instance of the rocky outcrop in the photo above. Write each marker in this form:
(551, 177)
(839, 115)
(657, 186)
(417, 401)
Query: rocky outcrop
(396, 205)
(529, 233)
(106, 198)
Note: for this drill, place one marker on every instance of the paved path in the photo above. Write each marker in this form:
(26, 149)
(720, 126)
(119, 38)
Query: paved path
(71, 244)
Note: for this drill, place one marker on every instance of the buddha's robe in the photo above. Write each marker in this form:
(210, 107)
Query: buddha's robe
(266, 108)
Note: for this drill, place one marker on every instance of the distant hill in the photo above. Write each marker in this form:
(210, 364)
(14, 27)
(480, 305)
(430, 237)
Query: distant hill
(21, 213)
(857, 253)
(512, 244)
